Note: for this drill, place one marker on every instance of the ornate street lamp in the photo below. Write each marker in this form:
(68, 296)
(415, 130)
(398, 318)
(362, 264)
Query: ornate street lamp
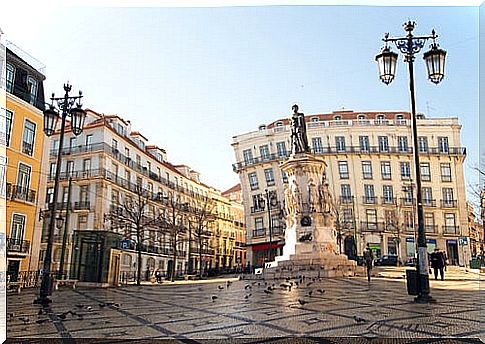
(67, 106)
(409, 46)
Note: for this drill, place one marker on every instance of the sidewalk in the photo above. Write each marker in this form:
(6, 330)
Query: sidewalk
(453, 273)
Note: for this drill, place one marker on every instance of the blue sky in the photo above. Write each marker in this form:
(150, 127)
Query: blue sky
(191, 78)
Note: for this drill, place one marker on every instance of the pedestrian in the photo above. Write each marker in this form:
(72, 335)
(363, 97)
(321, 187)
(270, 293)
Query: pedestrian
(438, 263)
(369, 258)
(158, 276)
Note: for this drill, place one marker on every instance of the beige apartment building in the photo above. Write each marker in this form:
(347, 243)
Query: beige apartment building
(369, 169)
(108, 163)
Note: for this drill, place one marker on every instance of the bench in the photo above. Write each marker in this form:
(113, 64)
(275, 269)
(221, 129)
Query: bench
(65, 282)
(15, 286)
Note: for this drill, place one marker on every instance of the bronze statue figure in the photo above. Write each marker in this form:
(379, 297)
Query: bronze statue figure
(299, 140)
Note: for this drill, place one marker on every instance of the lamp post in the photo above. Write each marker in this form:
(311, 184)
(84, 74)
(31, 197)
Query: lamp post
(409, 46)
(66, 106)
(269, 203)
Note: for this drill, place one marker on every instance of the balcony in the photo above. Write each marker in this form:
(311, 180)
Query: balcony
(371, 226)
(388, 200)
(257, 233)
(20, 193)
(451, 230)
(278, 230)
(459, 151)
(369, 199)
(408, 202)
(346, 199)
(431, 203)
(430, 228)
(82, 205)
(204, 251)
(446, 203)
(18, 246)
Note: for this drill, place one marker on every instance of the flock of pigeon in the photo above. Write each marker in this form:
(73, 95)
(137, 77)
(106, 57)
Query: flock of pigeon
(77, 313)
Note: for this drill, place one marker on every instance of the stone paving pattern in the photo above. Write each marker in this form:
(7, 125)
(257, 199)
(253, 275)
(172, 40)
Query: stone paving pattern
(348, 307)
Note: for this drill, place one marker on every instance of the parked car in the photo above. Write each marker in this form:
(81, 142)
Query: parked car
(359, 259)
(386, 260)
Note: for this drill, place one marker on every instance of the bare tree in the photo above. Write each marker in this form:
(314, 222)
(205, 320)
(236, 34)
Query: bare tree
(341, 222)
(173, 225)
(202, 216)
(135, 218)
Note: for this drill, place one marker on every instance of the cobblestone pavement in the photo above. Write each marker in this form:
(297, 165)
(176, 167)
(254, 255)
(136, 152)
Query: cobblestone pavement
(193, 312)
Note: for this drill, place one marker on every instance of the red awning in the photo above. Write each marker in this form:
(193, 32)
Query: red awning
(265, 246)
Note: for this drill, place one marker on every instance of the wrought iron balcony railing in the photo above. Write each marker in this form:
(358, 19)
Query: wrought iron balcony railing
(450, 229)
(20, 193)
(17, 245)
(446, 203)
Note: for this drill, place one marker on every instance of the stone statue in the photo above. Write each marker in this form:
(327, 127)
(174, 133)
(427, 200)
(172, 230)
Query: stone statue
(299, 140)
(289, 205)
(326, 201)
(313, 196)
(296, 197)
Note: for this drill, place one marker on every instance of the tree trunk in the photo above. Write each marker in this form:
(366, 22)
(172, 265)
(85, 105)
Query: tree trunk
(138, 246)
(200, 256)
(172, 277)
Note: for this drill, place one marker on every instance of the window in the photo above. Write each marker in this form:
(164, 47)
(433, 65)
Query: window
(425, 172)
(10, 77)
(369, 196)
(127, 176)
(258, 202)
(18, 226)
(65, 194)
(139, 182)
(317, 145)
(253, 181)
(371, 217)
(340, 143)
(69, 167)
(380, 118)
(82, 221)
(405, 170)
(114, 145)
(28, 138)
(346, 193)
(386, 170)
(445, 172)
(138, 160)
(390, 218)
(408, 217)
(338, 118)
(408, 194)
(49, 195)
(427, 195)
(115, 170)
(448, 200)
(87, 165)
(8, 126)
(450, 223)
(361, 117)
(127, 155)
(259, 226)
(423, 144)
(149, 166)
(367, 169)
(364, 143)
(72, 143)
(348, 217)
(284, 177)
(429, 222)
(264, 152)
(52, 170)
(343, 169)
(268, 174)
(388, 194)
(402, 143)
(3, 171)
(84, 193)
(23, 177)
(115, 197)
(281, 149)
(443, 145)
(383, 143)
(89, 140)
(32, 88)
(121, 130)
(248, 156)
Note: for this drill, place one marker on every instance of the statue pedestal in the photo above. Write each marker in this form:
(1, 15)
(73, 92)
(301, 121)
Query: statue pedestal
(310, 238)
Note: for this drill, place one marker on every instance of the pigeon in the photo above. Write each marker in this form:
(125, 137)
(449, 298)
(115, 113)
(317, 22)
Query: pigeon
(309, 284)
(358, 319)
(89, 308)
(80, 317)
(101, 305)
(116, 305)
(321, 291)
(10, 315)
(41, 321)
(220, 287)
(270, 288)
(214, 298)
(228, 283)
(62, 315)
(302, 302)
(268, 291)
(25, 320)
(310, 293)
(199, 289)
(40, 312)
(247, 286)
(247, 296)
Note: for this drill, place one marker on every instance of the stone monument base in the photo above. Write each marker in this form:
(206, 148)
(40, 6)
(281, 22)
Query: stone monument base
(311, 265)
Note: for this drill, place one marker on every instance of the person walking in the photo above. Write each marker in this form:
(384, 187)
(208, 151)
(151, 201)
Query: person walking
(438, 263)
(158, 276)
(368, 258)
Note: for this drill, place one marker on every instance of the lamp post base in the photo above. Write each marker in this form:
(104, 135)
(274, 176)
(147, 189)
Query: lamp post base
(424, 299)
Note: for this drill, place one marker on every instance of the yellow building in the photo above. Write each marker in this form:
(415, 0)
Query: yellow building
(23, 138)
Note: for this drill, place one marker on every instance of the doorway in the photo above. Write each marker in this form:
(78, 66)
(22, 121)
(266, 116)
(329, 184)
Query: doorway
(452, 252)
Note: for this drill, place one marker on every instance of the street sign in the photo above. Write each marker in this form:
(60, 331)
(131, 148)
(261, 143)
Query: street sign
(125, 244)
(463, 241)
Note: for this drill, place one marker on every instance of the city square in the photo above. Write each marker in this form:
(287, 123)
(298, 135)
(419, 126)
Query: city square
(347, 308)
(245, 174)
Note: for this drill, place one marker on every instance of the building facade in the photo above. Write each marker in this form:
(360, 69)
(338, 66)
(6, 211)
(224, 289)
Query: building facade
(369, 169)
(475, 226)
(22, 138)
(108, 164)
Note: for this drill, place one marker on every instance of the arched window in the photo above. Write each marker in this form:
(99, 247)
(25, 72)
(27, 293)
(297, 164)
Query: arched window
(315, 119)
(279, 124)
(381, 117)
(338, 118)
(361, 117)
(400, 117)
